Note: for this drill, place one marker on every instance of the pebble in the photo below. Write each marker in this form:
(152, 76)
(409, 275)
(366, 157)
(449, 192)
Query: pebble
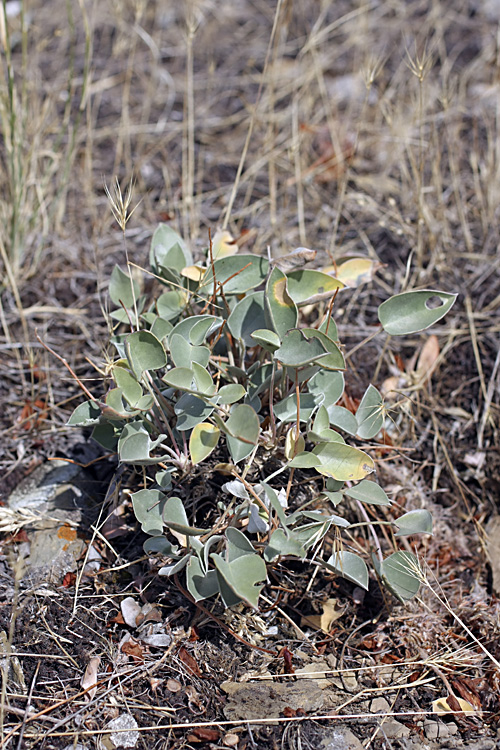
(438, 729)
(123, 733)
(380, 706)
(340, 738)
(394, 729)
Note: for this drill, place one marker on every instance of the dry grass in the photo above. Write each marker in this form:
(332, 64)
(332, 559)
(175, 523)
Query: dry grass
(352, 128)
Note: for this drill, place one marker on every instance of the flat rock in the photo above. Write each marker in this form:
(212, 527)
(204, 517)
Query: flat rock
(59, 494)
(328, 675)
(434, 730)
(340, 738)
(268, 700)
(57, 488)
(394, 729)
(380, 706)
(123, 733)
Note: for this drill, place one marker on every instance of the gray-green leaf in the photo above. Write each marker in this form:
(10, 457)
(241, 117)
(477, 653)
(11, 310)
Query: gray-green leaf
(410, 312)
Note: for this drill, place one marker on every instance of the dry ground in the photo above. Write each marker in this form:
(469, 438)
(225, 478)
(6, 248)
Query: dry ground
(350, 127)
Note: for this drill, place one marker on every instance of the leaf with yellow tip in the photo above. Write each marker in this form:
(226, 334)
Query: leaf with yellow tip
(223, 244)
(280, 310)
(194, 273)
(354, 271)
(203, 440)
(442, 707)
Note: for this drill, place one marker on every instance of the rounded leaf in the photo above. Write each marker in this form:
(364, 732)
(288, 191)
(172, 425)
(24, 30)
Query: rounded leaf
(246, 317)
(184, 354)
(281, 312)
(168, 250)
(327, 387)
(296, 350)
(343, 419)
(237, 274)
(356, 271)
(283, 543)
(415, 522)
(369, 415)
(306, 286)
(223, 244)
(286, 410)
(85, 414)
(180, 378)
(349, 566)
(131, 389)
(267, 339)
(305, 460)
(243, 576)
(230, 393)
(190, 411)
(148, 509)
(171, 304)
(122, 290)
(196, 328)
(200, 584)
(202, 441)
(368, 492)
(400, 574)
(342, 462)
(410, 312)
(174, 516)
(144, 352)
(334, 360)
(242, 431)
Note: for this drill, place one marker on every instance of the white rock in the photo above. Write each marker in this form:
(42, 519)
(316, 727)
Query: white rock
(341, 738)
(123, 732)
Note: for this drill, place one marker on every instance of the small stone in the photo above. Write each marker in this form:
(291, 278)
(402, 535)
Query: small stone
(230, 740)
(380, 706)
(157, 640)
(320, 667)
(130, 611)
(435, 729)
(394, 729)
(123, 732)
(340, 738)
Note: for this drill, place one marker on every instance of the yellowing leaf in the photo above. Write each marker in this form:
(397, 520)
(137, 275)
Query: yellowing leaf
(227, 470)
(354, 271)
(223, 244)
(441, 707)
(332, 611)
(294, 443)
(194, 273)
(203, 440)
(343, 462)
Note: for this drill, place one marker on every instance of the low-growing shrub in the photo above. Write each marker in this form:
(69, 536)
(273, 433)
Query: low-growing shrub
(239, 356)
